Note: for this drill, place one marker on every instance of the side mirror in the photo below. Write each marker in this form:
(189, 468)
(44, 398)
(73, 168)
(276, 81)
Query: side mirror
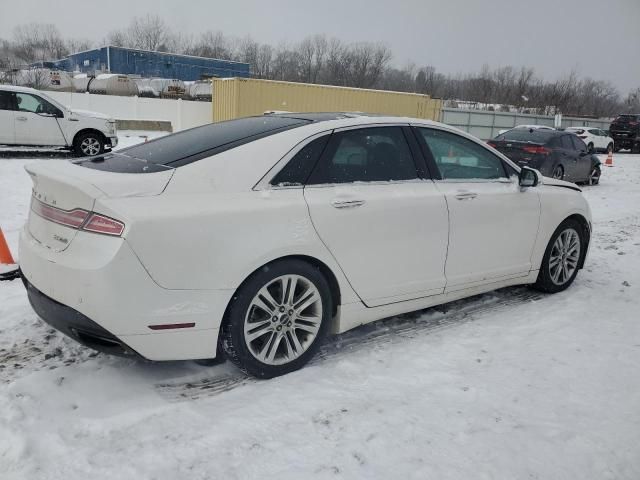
(528, 177)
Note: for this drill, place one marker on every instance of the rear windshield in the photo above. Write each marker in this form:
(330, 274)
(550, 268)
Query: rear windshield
(525, 135)
(191, 145)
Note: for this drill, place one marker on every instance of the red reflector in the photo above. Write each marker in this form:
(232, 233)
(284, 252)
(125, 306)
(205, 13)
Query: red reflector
(171, 326)
(100, 224)
(69, 218)
(537, 150)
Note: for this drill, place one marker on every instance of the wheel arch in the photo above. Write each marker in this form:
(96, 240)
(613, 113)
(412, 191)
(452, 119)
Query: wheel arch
(87, 130)
(325, 270)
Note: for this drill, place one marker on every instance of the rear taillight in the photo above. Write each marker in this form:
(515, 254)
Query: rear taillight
(538, 150)
(491, 144)
(78, 218)
(633, 123)
(100, 224)
(68, 218)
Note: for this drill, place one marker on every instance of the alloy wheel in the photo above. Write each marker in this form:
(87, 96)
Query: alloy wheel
(90, 146)
(558, 173)
(283, 319)
(564, 257)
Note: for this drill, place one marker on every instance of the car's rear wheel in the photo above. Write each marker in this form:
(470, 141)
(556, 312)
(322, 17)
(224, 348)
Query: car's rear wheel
(616, 149)
(591, 148)
(89, 144)
(594, 175)
(558, 172)
(635, 148)
(610, 148)
(561, 260)
(277, 319)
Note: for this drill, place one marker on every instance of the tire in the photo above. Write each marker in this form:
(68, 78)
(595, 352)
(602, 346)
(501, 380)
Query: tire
(550, 279)
(558, 172)
(594, 175)
(610, 148)
(616, 149)
(89, 144)
(635, 148)
(591, 148)
(282, 330)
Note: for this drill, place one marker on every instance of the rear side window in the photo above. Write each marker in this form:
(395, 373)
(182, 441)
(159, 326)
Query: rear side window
(457, 157)
(298, 169)
(192, 145)
(365, 155)
(6, 100)
(566, 142)
(578, 143)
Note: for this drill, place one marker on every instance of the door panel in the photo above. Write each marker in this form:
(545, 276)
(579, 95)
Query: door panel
(493, 228)
(386, 227)
(493, 223)
(7, 131)
(390, 239)
(34, 125)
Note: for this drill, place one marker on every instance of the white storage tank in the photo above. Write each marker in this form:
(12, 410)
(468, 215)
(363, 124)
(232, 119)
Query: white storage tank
(81, 82)
(113, 84)
(44, 79)
(168, 88)
(145, 89)
(200, 90)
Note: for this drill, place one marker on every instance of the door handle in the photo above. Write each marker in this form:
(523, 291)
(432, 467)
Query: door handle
(466, 195)
(347, 203)
(21, 119)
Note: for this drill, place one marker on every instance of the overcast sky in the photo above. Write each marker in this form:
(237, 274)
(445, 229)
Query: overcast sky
(599, 38)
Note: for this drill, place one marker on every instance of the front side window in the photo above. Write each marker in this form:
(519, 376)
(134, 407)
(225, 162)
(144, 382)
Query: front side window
(457, 157)
(566, 142)
(30, 103)
(375, 154)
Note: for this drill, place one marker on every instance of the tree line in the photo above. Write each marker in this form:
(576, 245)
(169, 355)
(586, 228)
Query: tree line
(331, 61)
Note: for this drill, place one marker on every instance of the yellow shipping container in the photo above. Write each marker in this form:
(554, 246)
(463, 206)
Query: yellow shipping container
(243, 97)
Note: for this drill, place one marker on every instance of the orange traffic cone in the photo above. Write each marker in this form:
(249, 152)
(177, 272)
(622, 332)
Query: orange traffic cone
(5, 253)
(609, 161)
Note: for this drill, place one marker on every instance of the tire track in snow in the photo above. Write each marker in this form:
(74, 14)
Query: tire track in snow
(390, 330)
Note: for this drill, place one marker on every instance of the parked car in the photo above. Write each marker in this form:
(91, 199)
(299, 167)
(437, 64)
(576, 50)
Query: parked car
(254, 238)
(29, 117)
(625, 131)
(557, 154)
(597, 140)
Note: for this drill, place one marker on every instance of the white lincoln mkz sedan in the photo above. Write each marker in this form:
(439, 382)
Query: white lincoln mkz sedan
(255, 238)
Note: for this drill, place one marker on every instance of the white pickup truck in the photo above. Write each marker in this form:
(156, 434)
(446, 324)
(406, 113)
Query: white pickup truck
(28, 117)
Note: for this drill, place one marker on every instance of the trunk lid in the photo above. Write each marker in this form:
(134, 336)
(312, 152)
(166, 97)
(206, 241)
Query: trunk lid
(61, 187)
(522, 153)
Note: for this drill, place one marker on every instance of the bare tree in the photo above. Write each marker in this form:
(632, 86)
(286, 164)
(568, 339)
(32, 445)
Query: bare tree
(38, 42)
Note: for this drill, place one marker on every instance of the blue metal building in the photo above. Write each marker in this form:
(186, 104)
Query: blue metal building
(150, 64)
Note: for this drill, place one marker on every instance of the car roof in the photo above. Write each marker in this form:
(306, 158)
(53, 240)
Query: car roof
(15, 88)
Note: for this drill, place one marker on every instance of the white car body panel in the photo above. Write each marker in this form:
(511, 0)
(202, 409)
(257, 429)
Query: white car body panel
(195, 233)
(31, 129)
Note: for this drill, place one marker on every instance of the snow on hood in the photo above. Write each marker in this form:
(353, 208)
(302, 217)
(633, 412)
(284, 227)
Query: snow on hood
(88, 113)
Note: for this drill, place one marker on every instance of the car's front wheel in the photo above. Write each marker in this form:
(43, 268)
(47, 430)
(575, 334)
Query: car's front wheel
(610, 148)
(89, 144)
(594, 175)
(277, 319)
(561, 260)
(558, 172)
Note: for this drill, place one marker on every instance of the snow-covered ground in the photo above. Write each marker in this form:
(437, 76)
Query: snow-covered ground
(509, 385)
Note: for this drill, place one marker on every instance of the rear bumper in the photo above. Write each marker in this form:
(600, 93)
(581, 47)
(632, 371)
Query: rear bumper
(74, 324)
(97, 285)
